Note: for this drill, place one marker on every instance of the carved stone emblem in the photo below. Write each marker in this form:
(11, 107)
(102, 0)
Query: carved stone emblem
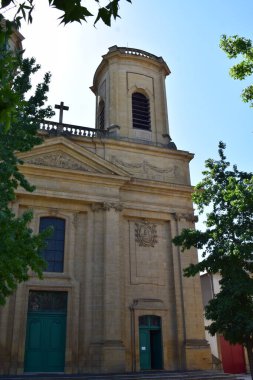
(146, 234)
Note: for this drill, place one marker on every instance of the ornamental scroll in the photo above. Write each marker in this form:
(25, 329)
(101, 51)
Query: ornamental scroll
(146, 234)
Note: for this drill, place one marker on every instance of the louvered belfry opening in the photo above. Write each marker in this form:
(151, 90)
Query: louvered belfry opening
(101, 115)
(140, 111)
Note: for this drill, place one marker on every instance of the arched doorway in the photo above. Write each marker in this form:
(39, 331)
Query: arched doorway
(150, 337)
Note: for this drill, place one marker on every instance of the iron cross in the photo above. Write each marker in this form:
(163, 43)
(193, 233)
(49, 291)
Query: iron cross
(62, 108)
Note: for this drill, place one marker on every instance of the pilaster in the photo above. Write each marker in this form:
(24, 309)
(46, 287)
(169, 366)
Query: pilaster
(110, 349)
(197, 353)
(114, 351)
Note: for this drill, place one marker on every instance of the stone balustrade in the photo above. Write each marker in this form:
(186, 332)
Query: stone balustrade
(54, 128)
(135, 52)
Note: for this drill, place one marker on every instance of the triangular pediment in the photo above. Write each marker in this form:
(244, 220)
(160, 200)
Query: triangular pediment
(64, 154)
(58, 159)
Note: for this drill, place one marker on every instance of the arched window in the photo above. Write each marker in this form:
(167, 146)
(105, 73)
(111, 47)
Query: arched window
(140, 111)
(101, 115)
(53, 253)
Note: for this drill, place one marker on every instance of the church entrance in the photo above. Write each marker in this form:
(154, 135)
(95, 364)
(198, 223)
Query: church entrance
(46, 332)
(150, 335)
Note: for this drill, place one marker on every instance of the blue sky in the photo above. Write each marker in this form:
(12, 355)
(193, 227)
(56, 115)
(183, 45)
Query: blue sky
(204, 104)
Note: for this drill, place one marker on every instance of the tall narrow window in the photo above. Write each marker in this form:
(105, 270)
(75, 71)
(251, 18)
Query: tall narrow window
(53, 254)
(101, 115)
(140, 111)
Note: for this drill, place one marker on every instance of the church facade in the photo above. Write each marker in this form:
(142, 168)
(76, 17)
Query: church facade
(113, 297)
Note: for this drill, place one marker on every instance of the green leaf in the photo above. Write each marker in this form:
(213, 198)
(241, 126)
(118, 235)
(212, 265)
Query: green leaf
(247, 95)
(113, 8)
(5, 3)
(104, 15)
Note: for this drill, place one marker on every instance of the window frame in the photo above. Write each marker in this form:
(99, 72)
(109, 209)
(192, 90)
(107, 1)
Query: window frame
(101, 114)
(54, 265)
(141, 115)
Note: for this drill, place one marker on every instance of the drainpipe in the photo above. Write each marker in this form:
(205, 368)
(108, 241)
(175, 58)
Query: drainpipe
(131, 307)
(183, 353)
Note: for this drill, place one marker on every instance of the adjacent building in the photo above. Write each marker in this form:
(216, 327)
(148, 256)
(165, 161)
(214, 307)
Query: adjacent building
(230, 358)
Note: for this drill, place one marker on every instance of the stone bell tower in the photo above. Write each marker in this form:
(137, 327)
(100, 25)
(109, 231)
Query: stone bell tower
(129, 85)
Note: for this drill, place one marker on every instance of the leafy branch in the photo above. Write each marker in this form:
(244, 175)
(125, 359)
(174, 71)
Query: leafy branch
(73, 10)
(235, 46)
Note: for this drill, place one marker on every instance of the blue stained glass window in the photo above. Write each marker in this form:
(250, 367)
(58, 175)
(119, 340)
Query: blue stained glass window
(53, 253)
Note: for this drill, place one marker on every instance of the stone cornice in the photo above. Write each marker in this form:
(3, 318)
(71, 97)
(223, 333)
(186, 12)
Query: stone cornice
(125, 54)
(105, 180)
(133, 147)
(81, 203)
(155, 187)
(73, 175)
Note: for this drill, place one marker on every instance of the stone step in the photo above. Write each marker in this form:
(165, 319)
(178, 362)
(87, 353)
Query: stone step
(147, 375)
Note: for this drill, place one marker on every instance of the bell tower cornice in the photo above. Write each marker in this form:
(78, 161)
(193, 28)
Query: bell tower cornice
(129, 54)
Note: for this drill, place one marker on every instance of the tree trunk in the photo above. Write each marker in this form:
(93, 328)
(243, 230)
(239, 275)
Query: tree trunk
(249, 347)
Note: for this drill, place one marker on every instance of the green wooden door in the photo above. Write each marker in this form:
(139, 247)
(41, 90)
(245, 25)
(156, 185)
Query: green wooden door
(150, 336)
(156, 349)
(145, 362)
(46, 331)
(45, 342)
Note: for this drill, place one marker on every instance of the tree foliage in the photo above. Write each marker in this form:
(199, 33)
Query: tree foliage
(227, 248)
(73, 10)
(20, 117)
(234, 47)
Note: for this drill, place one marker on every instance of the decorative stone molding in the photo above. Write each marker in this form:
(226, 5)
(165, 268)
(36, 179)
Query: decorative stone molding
(75, 219)
(115, 206)
(146, 234)
(148, 171)
(189, 217)
(143, 135)
(59, 160)
(53, 211)
(113, 130)
(147, 304)
(196, 343)
(106, 206)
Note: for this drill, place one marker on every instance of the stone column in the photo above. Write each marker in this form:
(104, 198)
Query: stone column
(113, 350)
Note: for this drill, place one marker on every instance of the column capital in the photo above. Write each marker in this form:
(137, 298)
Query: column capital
(107, 206)
(189, 217)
